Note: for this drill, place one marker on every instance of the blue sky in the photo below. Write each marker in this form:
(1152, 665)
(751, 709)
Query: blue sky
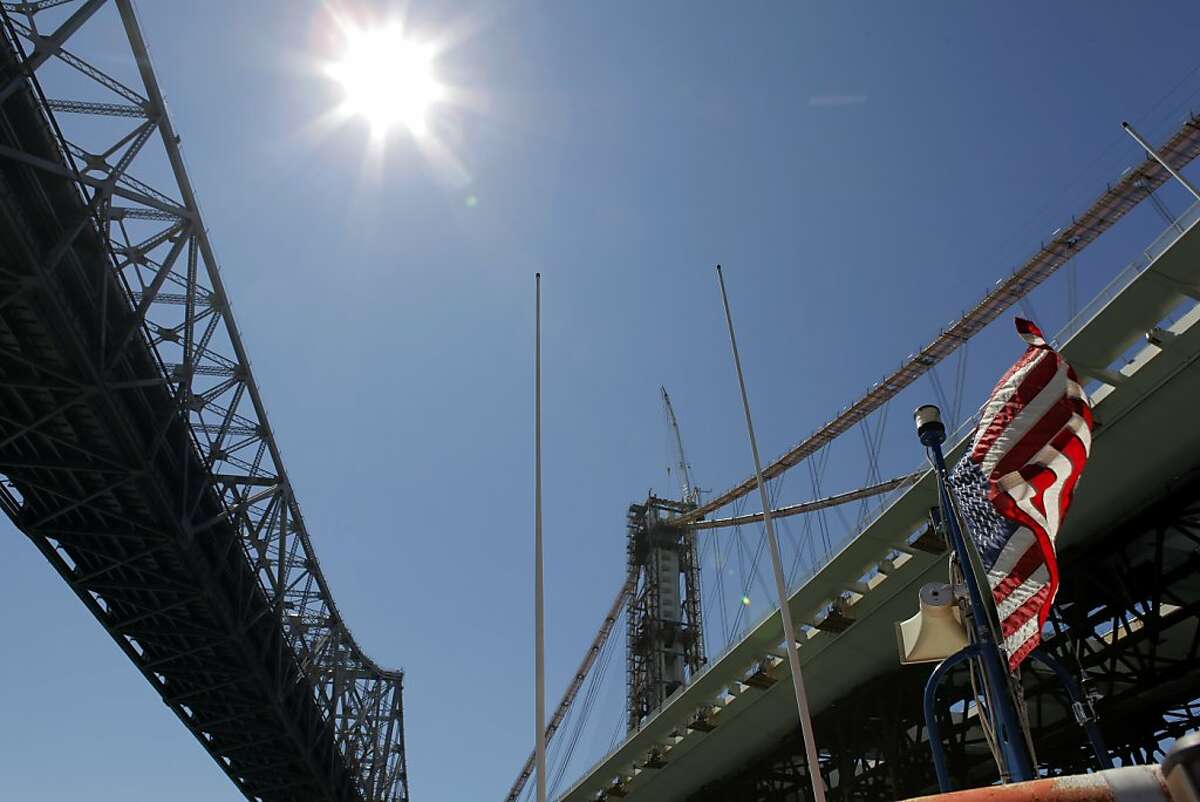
(863, 173)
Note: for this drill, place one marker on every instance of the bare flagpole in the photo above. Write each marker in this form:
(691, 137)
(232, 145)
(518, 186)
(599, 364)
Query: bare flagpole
(539, 622)
(789, 629)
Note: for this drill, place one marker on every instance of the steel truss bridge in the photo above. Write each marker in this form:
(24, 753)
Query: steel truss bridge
(135, 444)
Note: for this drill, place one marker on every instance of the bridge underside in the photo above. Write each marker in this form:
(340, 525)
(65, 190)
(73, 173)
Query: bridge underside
(1128, 615)
(104, 476)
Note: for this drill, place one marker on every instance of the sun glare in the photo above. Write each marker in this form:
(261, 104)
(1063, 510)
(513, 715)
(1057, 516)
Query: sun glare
(388, 79)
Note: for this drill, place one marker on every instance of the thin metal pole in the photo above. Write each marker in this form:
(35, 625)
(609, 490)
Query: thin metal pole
(539, 618)
(785, 612)
(1154, 155)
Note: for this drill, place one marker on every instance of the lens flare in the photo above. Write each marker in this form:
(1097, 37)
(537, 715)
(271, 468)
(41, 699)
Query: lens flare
(388, 79)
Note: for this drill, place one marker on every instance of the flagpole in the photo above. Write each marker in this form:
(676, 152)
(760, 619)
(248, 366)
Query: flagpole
(539, 623)
(785, 612)
(1010, 735)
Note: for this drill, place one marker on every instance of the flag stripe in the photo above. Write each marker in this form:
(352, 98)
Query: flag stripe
(1055, 411)
(1030, 563)
(1017, 545)
(1023, 592)
(1022, 642)
(1024, 612)
(1011, 398)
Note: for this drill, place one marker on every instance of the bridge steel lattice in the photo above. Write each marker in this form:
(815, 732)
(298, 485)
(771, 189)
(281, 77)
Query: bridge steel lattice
(134, 443)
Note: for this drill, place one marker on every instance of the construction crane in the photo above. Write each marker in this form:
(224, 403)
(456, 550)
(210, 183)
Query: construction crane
(690, 493)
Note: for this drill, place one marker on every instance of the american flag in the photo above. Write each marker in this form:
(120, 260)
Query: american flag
(1014, 485)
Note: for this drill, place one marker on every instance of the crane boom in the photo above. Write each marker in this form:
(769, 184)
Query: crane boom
(572, 691)
(691, 494)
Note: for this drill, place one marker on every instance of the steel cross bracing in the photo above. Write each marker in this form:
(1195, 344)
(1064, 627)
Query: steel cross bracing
(1127, 617)
(1117, 199)
(134, 442)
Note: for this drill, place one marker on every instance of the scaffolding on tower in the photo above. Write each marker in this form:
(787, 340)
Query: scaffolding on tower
(665, 629)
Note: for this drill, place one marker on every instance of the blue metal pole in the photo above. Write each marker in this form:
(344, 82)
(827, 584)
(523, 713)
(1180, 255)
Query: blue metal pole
(930, 703)
(1009, 734)
(1079, 705)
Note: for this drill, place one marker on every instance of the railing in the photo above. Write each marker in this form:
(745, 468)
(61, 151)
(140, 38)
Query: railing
(1128, 273)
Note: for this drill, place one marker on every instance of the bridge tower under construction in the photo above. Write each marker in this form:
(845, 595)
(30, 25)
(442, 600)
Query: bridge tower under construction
(664, 627)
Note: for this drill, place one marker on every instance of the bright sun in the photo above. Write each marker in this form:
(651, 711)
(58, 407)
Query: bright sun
(388, 79)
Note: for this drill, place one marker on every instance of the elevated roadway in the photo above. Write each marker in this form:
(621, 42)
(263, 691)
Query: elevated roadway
(1145, 402)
